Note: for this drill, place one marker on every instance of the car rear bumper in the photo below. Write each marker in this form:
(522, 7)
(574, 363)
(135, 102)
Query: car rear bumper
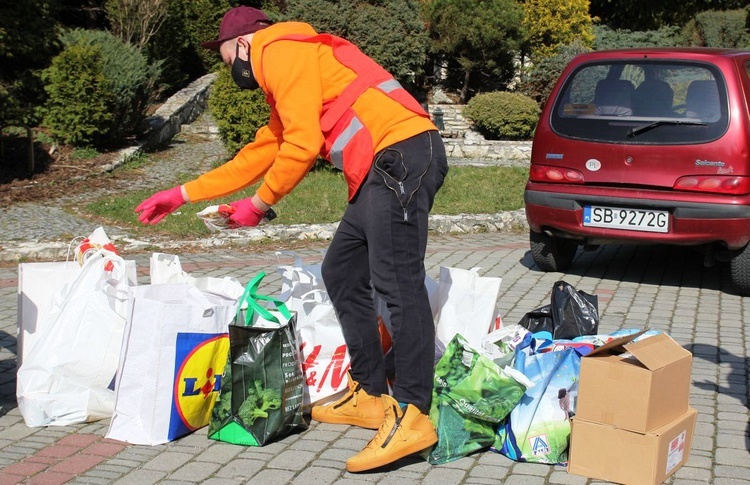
(691, 223)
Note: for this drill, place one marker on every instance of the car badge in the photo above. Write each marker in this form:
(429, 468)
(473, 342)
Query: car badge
(593, 164)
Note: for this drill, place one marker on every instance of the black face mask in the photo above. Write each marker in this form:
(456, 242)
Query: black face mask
(242, 72)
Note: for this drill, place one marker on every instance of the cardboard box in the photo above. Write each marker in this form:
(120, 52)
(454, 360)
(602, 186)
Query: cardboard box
(604, 452)
(637, 386)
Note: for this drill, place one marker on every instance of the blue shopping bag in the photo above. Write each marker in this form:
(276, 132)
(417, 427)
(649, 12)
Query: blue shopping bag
(538, 428)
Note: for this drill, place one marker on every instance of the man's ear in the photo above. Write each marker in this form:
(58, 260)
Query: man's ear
(244, 45)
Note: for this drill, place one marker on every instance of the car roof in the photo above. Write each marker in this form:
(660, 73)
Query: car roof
(696, 53)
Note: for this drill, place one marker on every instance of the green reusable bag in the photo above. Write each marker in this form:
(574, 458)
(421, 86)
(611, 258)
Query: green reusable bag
(260, 398)
(470, 397)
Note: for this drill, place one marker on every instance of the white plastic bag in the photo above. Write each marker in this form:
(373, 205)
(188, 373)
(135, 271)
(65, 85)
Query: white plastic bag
(173, 356)
(500, 345)
(466, 304)
(325, 359)
(166, 268)
(68, 368)
(299, 278)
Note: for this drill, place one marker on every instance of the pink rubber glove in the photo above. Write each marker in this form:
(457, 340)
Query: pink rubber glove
(160, 205)
(245, 214)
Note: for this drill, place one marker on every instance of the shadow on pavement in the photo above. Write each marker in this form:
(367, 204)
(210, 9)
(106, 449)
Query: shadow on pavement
(647, 264)
(736, 379)
(8, 367)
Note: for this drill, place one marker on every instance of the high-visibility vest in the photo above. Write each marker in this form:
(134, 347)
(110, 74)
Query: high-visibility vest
(348, 142)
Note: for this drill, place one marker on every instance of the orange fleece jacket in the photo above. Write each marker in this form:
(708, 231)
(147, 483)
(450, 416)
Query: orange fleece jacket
(300, 76)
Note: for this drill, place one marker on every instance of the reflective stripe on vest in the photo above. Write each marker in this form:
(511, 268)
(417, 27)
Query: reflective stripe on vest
(339, 144)
(388, 86)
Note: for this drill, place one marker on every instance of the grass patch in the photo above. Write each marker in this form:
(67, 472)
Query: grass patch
(322, 196)
(481, 190)
(84, 153)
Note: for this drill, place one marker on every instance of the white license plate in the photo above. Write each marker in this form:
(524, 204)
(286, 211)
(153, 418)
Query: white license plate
(622, 218)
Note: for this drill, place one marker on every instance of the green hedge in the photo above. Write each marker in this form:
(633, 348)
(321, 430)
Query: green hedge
(502, 115)
(79, 109)
(98, 89)
(238, 113)
(714, 28)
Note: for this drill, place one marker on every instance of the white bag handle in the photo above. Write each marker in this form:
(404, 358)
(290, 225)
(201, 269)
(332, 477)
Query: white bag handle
(316, 295)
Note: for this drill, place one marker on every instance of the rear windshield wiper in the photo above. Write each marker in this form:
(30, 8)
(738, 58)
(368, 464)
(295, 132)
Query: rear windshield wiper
(637, 131)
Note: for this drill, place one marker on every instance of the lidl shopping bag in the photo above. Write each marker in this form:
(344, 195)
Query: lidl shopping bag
(538, 428)
(325, 359)
(71, 339)
(262, 388)
(466, 304)
(471, 396)
(171, 364)
(167, 268)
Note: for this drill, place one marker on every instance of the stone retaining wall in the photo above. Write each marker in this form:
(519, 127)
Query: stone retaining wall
(461, 142)
(180, 109)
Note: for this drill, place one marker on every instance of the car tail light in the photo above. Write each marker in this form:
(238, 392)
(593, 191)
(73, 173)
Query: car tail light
(548, 173)
(714, 184)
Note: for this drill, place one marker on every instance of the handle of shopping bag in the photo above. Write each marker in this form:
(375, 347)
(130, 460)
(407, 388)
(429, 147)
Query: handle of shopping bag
(251, 297)
(315, 296)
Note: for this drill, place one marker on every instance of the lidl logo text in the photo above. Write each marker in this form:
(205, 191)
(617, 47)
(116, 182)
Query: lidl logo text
(199, 365)
(212, 383)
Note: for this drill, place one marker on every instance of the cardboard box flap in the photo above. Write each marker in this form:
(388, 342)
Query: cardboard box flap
(613, 344)
(657, 351)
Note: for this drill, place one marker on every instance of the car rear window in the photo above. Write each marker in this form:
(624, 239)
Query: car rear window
(642, 102)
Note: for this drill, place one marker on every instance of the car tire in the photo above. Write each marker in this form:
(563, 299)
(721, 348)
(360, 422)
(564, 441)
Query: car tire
(740, 271)
(552, 253)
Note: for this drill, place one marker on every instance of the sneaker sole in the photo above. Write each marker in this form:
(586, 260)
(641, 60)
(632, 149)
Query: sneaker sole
(370, 464)
(352, 421)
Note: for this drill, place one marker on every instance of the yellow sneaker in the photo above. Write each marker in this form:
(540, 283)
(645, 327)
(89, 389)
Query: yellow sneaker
(356, 408)
(403, 433)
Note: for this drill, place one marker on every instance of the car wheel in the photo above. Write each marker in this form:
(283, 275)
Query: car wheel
(552, 253)
(740, 271)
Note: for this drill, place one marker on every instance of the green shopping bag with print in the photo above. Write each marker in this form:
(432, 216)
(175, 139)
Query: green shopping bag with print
(260, 398)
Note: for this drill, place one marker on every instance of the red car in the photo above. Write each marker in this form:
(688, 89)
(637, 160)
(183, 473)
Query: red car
(645, 146)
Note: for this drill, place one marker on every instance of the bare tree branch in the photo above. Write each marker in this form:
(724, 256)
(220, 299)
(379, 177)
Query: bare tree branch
(136, 21)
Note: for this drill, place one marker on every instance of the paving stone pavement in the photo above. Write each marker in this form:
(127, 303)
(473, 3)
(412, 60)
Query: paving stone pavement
(662, 288)
(657, 287)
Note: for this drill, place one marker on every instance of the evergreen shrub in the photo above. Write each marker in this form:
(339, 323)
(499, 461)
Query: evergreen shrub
(79, 108)
(238, 112)
(99, 89)
(177, 43)
(543, 74)
(502, 115)
(714, 28)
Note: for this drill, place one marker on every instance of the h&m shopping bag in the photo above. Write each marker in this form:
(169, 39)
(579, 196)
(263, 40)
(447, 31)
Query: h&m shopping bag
(471, 396)
(466, 304)
(173, 356)
(262, 388)
(538, 428)
(325, 359)
(70, 357)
